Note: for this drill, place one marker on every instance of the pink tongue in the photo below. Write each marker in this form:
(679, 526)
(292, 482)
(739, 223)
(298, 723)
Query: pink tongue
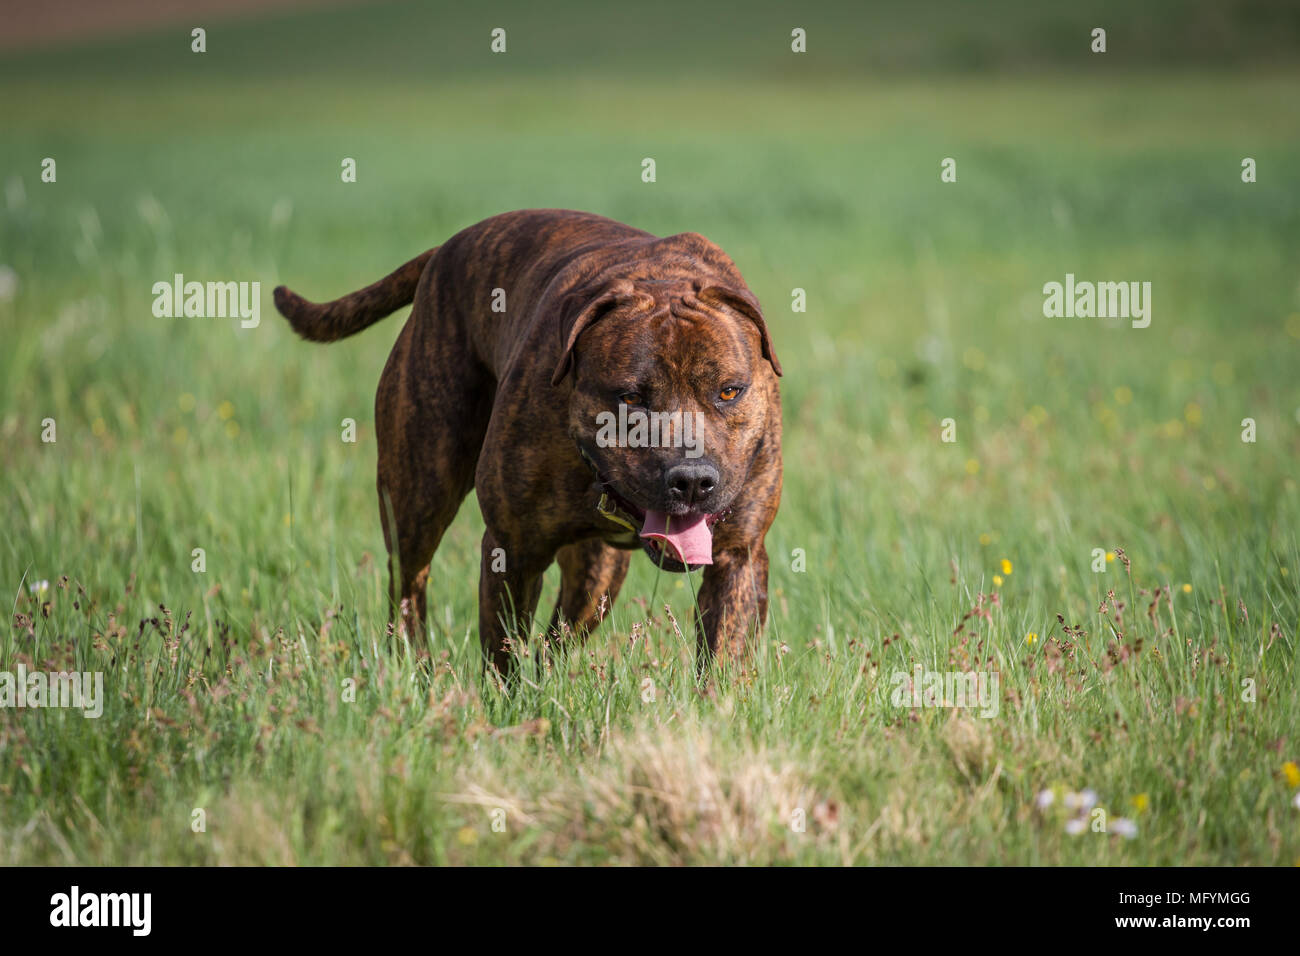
(690, 536)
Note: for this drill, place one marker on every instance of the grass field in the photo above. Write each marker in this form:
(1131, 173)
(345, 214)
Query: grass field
(226, 691)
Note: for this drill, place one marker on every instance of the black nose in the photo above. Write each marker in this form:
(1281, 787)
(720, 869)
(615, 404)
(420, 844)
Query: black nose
(691, 482)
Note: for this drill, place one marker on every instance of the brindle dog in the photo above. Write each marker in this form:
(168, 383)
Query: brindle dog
(524, 329)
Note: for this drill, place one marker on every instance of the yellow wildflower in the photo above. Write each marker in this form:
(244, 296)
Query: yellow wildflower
(1292, 774)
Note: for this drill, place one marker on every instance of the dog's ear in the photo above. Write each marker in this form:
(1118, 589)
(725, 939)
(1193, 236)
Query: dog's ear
(579, 310)
(744, 302)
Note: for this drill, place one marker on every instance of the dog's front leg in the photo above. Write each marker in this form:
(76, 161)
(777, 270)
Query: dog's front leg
(509, 586)
(732, 603)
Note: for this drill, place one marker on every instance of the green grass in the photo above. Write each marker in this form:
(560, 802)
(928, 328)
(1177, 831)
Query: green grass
(226, 690)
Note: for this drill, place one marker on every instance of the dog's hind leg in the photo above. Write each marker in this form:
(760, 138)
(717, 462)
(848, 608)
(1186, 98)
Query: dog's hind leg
(591, 573)
(431, 411)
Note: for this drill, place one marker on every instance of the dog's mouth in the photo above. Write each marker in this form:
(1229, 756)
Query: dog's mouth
(673, 542)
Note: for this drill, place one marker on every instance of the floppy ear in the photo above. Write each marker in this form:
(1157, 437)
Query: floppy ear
(744, 302)
(578, 311)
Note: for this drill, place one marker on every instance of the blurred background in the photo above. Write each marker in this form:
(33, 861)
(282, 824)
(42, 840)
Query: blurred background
(817, 171)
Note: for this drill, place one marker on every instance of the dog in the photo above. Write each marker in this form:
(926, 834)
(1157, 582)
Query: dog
(529, 330)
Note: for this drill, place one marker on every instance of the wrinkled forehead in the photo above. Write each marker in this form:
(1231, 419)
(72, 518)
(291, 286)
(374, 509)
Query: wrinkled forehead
(681, 335)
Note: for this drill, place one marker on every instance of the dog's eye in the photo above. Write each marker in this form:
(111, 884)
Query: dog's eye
(729, 393)
(630, 398)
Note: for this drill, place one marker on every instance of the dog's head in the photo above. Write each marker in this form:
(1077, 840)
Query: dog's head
(672, 380)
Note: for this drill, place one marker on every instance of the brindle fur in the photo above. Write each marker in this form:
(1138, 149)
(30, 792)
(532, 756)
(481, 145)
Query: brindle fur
(499, 401)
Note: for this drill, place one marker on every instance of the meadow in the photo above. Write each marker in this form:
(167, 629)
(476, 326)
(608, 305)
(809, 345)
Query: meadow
(265, 693)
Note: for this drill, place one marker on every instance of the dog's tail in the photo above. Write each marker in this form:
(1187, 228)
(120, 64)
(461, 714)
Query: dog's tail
(331, 321)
